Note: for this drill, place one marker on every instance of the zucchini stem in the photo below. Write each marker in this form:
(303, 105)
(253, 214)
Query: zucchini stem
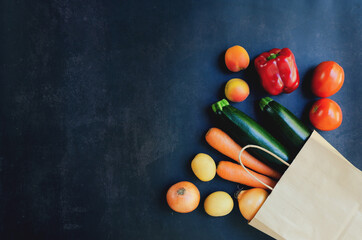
(219, 105)
(264, 101)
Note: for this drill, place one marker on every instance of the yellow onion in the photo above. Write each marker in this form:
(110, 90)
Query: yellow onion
(250, 201)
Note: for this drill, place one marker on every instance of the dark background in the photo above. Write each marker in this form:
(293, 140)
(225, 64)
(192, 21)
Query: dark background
(103, 104)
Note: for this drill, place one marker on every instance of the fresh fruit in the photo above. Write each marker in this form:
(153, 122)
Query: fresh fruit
(218, 204)
(183, 197)
(204, 167)
(236, 90)
(325, 115)
(250, 201)
(245, 130)
(219, 140)
(236, 173)
(236, 58)
(328, 78)
(287, 128)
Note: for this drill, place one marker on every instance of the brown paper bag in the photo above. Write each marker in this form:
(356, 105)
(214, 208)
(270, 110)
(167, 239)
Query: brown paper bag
(318, 197)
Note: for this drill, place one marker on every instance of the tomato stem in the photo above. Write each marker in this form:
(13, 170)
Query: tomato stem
(315, 108)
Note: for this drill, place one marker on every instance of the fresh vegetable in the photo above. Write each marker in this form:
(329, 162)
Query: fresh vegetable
(204, 167)
(245, 130)
(328, 78)
(325, 115)
(278, 71)
(219, 140)
(236, 173)
(236, 58)
(288, 129)
(250, 201)
(183, 197)
(236, 90)
(218, 204)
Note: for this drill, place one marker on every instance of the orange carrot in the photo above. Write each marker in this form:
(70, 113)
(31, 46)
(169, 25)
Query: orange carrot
(236, 173)
(227, 146)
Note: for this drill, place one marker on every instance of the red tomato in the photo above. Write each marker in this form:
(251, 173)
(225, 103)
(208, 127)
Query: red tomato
(325, 114)
(327, 79)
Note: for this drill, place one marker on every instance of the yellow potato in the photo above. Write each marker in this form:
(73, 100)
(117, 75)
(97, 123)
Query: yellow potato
(218, 204)
(204, 167)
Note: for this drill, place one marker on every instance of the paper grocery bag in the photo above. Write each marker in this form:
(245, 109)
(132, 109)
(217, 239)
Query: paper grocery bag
(318, 197)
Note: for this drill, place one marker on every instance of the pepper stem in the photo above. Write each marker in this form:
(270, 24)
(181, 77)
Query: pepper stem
(272, 56)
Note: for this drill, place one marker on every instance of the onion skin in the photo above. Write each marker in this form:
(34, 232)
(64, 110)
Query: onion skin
(183, 197)
(250, 201)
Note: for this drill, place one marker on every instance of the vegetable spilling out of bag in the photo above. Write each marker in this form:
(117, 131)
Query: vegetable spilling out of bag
(288, 129)
(235, 173)
(326, 114)
(219, 140)
(250, 201)
(328, 78)
(203, 167)
(245, 130)
(318, 197)
(278, 71)
(183, 197)
(218, 204)
(309, 200)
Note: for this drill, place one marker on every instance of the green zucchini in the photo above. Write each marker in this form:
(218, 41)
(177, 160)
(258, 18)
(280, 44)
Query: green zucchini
(245, 130)
(288, 129)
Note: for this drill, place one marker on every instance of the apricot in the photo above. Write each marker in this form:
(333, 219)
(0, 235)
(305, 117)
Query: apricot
(236, 58)
(236, 90)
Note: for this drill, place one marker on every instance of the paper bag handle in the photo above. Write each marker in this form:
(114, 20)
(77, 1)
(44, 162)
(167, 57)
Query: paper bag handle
(265, 150)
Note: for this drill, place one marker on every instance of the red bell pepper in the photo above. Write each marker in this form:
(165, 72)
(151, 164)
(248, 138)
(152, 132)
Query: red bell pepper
(278, 71)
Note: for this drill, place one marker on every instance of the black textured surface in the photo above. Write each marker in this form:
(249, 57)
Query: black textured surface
(103, 104)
